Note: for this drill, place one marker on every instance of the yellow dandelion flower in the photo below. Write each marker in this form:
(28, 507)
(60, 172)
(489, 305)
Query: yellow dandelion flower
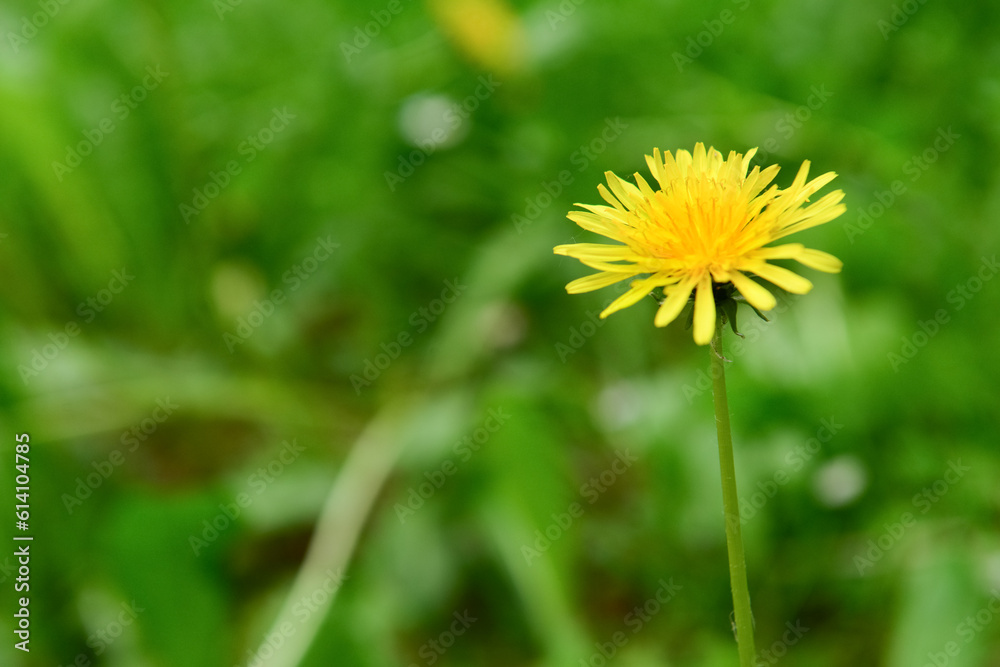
(706, 226)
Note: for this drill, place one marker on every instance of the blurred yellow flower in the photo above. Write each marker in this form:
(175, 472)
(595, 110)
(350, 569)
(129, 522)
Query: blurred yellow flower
(706, 226)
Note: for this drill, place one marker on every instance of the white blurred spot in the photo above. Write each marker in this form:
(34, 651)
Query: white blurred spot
(840, 481)
(618, 405)
(992, 569)
(432, 122)
(553, 32)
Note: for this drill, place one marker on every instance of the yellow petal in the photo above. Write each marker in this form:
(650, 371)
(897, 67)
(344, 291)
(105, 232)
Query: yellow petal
(825, 210)
(608, 197)
(627, 194)
(704, 311)
(814, 259)
(786, 251)
(782, 277)
(747, 159)
(800, 178)
(758, 180)
(595, 223)
(655, 163)
(698, 158)
(819, 260)
(638, 290)
(817, 183)
(595, 251)
(756, 294)
(614, 267)
(596, 281)
(619, 217)
(672, 306)
(677, 165)
(647, 192)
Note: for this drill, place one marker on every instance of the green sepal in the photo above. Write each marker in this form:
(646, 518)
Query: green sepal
(728, 307)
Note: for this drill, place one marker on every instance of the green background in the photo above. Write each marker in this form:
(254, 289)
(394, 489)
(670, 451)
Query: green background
(304, 267)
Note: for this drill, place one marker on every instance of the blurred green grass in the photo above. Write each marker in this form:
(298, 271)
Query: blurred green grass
(480, 210)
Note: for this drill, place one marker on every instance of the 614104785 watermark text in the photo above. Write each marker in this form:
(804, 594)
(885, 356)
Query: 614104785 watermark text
(22, 552)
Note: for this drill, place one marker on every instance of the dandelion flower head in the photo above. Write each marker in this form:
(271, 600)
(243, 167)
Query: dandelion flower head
(709, 224)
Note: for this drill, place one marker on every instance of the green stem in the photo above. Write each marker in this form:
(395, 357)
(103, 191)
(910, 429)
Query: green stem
(731, 504)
